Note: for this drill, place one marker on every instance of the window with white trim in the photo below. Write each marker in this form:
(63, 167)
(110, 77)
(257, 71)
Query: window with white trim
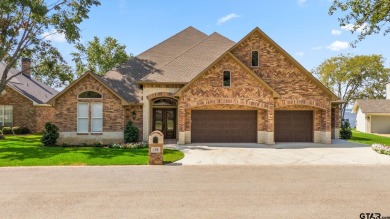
(82, 117)
(96, 117)
(6, 115)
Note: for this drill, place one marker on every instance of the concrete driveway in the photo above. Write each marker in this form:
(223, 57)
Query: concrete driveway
(339, 152)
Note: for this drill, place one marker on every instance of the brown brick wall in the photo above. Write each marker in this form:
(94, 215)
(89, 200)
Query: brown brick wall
(295, 88)
(138, 117)
(44, 114)
(207, 92)
(25, 114)
(66, 107)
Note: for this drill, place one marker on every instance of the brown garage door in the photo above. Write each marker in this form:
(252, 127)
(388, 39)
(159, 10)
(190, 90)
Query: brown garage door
(293, 126)
(236, 126)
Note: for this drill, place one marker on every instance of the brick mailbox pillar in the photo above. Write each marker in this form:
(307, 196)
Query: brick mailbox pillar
(156, 150)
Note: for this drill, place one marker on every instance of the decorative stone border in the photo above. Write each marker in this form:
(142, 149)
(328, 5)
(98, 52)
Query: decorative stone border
(380, 148)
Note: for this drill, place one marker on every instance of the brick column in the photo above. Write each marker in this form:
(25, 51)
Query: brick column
(270, 126)
(182, 123)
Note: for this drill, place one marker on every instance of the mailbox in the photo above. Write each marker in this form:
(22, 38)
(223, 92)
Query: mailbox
(156, 148)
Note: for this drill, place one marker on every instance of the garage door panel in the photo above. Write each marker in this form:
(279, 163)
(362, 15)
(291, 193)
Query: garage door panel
(380, 124)
(293, 126)
(209, 126)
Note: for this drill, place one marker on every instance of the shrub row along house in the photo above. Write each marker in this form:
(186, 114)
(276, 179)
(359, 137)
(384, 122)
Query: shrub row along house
(195, 87)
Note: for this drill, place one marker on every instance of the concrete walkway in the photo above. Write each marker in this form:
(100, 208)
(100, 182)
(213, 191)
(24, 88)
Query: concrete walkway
(338, 153)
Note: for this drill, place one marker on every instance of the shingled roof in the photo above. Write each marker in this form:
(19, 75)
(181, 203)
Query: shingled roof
(189, 64)
(32, 89)
(372, 106)
(176, 60)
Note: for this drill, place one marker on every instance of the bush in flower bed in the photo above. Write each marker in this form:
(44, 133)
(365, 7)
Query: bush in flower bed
(130, 145)
(383, 149)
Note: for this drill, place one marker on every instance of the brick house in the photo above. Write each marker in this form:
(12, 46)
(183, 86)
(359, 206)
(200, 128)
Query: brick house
(202, 88)
(23, 102)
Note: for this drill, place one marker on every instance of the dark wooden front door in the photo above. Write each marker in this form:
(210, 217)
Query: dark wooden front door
(294, 126)
(164, 120)
(230, 126)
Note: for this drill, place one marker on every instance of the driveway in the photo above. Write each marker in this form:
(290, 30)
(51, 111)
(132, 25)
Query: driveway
(340, 152)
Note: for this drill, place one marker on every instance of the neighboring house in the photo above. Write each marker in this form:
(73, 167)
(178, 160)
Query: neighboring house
(22, 103)
(373, 116)
(201, 88)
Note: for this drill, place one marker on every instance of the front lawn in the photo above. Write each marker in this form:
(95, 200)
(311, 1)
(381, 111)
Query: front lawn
(28, 151)
(369, 139)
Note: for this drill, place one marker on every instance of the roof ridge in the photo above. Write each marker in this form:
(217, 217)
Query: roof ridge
(188, 28)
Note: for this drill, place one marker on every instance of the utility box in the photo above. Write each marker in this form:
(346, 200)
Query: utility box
(156, 148)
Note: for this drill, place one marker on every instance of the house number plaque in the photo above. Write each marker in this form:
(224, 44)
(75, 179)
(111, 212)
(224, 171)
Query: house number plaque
(155, 150)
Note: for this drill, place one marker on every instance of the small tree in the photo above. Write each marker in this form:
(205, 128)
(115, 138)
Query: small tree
(345, 131)
(50, 135)
(131, 133)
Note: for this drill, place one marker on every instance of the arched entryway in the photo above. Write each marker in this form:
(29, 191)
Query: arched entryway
(164, 116)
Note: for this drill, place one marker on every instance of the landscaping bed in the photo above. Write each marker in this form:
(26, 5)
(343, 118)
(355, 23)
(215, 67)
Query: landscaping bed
(27, 150)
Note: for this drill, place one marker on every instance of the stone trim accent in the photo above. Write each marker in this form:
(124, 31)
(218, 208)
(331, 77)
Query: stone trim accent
(161, 94)
(106, 138)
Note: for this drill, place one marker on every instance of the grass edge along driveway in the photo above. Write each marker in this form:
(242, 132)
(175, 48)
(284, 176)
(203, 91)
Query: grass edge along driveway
(27, 150)
(368, 139)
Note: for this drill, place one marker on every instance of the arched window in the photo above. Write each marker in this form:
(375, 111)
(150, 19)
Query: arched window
(90, 95)
(164, 102)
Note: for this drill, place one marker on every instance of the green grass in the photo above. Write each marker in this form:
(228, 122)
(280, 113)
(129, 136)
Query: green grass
(27, 150)
(369, 139)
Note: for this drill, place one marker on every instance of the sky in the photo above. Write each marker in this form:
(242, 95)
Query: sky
(302, 27)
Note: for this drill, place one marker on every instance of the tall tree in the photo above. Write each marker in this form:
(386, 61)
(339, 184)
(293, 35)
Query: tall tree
(25, 26)
(354, 77)
(366, 16)
(98, 57)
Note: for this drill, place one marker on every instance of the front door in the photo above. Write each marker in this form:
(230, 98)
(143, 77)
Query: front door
(164, 120)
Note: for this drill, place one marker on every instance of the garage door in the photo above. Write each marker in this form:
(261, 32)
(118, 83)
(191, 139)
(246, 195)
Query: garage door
(380, 124)
(224, 126)
(293, 126)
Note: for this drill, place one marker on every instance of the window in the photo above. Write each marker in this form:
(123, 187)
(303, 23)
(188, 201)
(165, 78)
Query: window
(226, 78)
(164, 102)
(82, 117)
(255, 58)
(90, 95)
(96, 117)
(6, 115)
(89, 117)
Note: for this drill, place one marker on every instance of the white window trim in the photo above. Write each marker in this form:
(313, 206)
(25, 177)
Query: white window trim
(230, 78)
(78, 117)
(81, 98)
(258, 58)
(90, 122)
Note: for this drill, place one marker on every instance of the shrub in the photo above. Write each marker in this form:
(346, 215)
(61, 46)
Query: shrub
(20, 130)
(345, 131)
(131, 133)
(50, 135)
(135, 145)
(97, 145)
(7, 130)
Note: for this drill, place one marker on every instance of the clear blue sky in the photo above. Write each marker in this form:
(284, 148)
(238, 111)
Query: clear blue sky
(302, 27)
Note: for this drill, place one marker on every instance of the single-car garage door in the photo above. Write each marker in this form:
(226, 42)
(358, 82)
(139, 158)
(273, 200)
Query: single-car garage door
(224, 126)
(380, 124)
(293, 126)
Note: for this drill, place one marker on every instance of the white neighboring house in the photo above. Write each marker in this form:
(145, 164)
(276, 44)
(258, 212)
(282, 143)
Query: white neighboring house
(373, 116)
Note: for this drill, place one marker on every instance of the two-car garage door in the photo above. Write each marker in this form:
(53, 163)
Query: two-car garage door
(240, 126)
